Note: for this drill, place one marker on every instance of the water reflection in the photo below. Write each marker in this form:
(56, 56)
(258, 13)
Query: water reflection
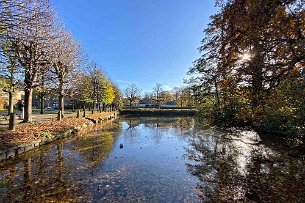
(156, 160)
(237, 166)
(94, 149)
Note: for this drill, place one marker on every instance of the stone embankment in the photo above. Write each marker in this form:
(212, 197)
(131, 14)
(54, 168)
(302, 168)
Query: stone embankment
(90, 122)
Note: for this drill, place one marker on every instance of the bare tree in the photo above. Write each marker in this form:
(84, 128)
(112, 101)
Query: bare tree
(148, 97)
(13, 13)
(30, 43)
(65, 59)
(132, 94)
(9, 70)
(157, 92)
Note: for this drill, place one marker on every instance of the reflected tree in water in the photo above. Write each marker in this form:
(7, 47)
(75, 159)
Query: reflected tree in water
(42, 179)
(230, 168)
(131, 132)
(95, 149)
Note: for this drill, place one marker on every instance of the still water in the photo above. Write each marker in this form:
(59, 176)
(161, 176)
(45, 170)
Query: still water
(157, 160)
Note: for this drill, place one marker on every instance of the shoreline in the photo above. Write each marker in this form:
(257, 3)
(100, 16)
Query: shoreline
(11, 150)
(158, 112)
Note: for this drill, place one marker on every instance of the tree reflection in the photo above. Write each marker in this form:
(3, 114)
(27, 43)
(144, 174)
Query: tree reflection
(60, 162)
(182, 126)
(94, 148)
(227, 166)
(40, 179)
(10, 182)
(131, 132)
(230, 168)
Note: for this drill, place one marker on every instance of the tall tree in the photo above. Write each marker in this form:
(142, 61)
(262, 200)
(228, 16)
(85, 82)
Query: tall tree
(30, 43)
(12, 13)
(248, 49)
(107, 93)
(118, 99)
(10, 70)
(65, 59)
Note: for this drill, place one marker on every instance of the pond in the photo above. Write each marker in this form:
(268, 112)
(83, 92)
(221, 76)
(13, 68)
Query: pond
(150, 159)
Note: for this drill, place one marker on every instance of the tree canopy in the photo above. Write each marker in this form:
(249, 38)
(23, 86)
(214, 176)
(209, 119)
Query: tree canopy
(252, 51)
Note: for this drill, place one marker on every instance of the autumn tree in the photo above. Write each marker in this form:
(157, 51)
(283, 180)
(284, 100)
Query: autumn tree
(45, 86)
(10, 71)
(118, 98)
(166, 96)
(249, 49)
(94, 88)
(157, 93)
(148, 97)
(107, 93)
(82, 88)
(12, 13)
(101, 88)
(29, 42)
(132, 94)
(65, 59)
(74, 88)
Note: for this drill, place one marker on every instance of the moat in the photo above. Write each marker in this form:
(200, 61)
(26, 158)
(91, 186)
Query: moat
(157, 159)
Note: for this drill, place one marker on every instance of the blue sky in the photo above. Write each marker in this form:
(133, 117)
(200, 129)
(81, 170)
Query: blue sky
(139, 41)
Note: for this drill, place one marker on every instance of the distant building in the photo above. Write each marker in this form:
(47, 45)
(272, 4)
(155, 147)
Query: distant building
(149, 104)
(51, 102)
(4, 100)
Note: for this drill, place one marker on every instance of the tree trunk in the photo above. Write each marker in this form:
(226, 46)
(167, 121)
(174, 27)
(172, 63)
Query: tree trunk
(41, 103)
(257, 77)
(10, 103)
(28, 94)
(129, 104)
(94, 105)
(73, 105)
(217, 98)
(12, 122)
(61, 104)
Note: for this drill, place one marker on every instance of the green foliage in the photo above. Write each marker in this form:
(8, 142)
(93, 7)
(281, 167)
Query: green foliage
(284, 109)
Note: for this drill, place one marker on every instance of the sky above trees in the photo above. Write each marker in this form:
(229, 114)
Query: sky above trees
(136, 41)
